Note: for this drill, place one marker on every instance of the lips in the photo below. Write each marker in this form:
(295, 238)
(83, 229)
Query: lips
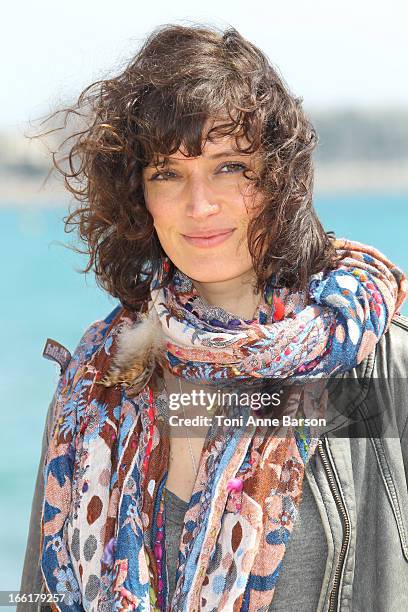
(208, 238)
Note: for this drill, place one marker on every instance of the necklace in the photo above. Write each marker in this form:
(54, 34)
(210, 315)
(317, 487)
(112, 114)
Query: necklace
(188, 437)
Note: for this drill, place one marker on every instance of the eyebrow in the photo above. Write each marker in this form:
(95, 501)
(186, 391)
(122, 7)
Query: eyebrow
(172, 161)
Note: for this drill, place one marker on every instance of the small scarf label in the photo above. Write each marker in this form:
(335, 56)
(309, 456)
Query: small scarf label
(54, 351)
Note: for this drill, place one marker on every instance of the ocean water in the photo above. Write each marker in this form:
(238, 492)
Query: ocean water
(43, 296)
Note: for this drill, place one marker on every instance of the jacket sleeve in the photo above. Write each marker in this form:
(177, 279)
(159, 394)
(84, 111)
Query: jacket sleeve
(400, 375)
(391, 378)
(31, 579)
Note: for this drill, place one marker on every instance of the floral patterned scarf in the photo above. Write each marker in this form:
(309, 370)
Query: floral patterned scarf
(103, 519)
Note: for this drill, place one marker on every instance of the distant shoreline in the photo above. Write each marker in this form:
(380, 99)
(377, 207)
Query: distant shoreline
(358, 150)
(330, 179)
(359, 176)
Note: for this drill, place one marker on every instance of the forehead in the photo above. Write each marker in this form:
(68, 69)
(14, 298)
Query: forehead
(216, 147)
(219, 137)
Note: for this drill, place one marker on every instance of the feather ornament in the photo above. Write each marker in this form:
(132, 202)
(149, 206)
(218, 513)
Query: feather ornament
(139, 347)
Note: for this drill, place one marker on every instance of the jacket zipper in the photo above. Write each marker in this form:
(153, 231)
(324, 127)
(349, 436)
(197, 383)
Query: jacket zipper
(346, 533)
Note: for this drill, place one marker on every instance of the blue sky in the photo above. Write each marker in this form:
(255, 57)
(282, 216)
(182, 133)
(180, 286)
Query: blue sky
(331, 53)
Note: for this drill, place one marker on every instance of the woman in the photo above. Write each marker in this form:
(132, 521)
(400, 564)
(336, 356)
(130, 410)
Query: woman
(194, 179)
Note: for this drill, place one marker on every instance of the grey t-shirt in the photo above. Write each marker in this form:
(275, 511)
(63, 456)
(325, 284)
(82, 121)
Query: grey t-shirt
(301, 575)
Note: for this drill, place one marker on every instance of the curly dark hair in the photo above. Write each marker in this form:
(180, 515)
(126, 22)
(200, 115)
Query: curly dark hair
(181, 77)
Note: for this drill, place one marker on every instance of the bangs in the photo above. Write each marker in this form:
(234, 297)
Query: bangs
(167, 122)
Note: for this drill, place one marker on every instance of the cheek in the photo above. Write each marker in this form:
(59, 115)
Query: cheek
(247, 201)
(160, 210)
(165, 221)
(252, 198)
(242, 214)
(153, 202)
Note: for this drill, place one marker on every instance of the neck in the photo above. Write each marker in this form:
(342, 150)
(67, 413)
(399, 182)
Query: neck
(235, 295)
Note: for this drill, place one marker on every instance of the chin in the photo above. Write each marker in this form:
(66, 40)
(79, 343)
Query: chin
(213, 266)
(214, 273)
(211, 277)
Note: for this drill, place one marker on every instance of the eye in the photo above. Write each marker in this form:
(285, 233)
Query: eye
(162, 176)
(233, 167)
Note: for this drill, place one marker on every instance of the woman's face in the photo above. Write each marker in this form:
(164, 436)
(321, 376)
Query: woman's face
(201, 208)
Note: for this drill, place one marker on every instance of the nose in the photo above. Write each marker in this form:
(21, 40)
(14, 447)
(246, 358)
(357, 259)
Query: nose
(201, 200)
